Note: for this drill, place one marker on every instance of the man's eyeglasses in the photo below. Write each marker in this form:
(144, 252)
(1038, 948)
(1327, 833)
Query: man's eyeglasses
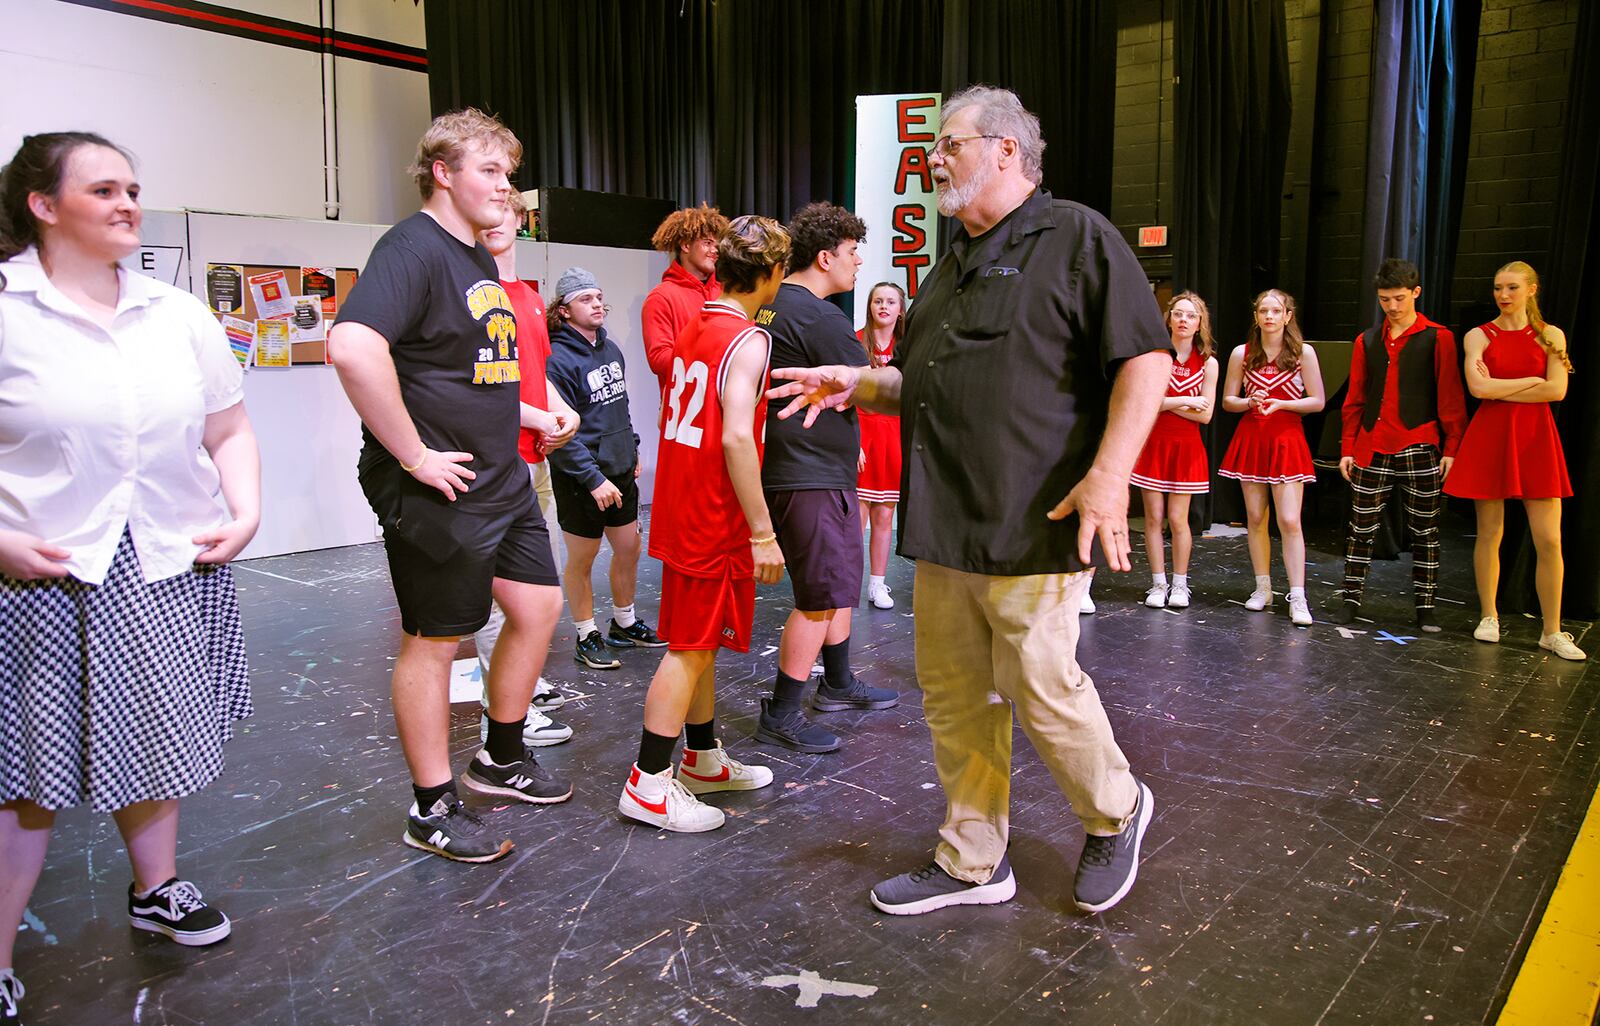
(950, 145)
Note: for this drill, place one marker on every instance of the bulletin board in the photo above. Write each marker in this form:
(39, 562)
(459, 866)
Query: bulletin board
(307, 298)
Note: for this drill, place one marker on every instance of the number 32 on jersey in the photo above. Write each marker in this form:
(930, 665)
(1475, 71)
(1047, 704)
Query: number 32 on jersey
(683, 411)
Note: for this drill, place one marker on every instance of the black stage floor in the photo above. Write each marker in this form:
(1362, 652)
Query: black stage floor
(1347, 830)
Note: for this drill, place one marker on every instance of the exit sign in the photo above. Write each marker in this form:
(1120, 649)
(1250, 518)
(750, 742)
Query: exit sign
(1154, 235)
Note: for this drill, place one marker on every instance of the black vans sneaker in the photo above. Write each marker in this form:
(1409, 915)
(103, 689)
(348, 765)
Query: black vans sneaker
(523, 781)
(453, 831)
(637, 633)
(177, 910)
(591, 652)
(11, 991)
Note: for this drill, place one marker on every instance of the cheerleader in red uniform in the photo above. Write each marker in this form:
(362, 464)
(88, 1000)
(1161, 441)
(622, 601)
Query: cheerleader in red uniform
(1518, 365)
(878, 486)
(1273, 380)
(1173, 465)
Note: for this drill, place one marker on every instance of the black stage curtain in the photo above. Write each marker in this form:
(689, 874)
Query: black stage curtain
(1567, 300)
(1418, 124)
(750, 104)
(1231, 133)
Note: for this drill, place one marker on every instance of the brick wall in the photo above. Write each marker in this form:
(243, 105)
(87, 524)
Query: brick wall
(1514, 154)
(1519, 101)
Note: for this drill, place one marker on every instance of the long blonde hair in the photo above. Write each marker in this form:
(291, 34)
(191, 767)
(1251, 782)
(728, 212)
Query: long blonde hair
(1535, 318)
(1255, 357)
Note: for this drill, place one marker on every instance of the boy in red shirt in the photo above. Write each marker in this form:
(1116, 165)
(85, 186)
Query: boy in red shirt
(689, 237)
(712, 531)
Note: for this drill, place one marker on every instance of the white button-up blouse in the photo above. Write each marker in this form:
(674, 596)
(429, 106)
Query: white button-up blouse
(101, 428)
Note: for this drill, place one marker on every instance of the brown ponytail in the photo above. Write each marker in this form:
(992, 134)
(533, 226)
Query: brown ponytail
(39, 166)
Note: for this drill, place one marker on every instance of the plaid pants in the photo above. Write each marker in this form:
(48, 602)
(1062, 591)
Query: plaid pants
(1417, 470)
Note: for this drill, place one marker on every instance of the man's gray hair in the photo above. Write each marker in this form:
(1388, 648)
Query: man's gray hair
(1001, 113)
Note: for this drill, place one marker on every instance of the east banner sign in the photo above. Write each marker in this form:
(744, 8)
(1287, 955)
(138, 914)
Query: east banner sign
(894, 190)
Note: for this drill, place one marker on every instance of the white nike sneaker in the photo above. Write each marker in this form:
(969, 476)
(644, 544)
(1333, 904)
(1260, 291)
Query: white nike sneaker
(716, 770)
(659, 800)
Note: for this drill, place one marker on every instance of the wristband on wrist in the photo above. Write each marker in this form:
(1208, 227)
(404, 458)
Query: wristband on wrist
(422, 458)
(763, 539)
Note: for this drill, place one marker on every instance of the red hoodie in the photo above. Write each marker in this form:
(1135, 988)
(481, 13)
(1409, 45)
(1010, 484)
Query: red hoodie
(668, 307)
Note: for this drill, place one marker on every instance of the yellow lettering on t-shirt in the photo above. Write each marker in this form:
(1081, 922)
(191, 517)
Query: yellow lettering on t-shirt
(765, 317)
(495, 372)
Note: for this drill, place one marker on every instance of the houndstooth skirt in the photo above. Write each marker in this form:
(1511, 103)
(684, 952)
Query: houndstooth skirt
(118, 693)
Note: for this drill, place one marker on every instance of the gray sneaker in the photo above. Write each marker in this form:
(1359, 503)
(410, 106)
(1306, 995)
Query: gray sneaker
(929, 888)
(859, 695)
(792, 730)
(1108, 865)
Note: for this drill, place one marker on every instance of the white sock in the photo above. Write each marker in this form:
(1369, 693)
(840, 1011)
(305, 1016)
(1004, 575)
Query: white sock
(624, 615)
(874, 582)
(1159, 580)
(1297, 592)
(1263, 582)
(584, 627)
(1180, 580)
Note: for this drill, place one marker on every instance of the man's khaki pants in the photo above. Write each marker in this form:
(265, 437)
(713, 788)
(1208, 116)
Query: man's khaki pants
(985, 646)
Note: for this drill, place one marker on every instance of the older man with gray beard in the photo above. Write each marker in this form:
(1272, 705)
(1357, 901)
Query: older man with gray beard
(1036, 338)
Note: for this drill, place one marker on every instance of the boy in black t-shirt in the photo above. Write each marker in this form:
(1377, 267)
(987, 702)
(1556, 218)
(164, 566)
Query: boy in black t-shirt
(809, 477)
(426, 348)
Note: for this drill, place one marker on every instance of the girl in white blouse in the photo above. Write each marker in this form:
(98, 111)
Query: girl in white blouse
(129, 477)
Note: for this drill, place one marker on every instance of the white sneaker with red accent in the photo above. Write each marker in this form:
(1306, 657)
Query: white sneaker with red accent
(659, 800)
(716, 770)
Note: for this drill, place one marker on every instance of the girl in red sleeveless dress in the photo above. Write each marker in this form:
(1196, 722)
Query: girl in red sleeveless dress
(1173, 465)
(1273, 380)
(1518, 365)
(878, 486)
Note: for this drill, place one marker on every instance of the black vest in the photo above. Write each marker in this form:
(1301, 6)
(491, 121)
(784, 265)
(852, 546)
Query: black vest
(1419, 385)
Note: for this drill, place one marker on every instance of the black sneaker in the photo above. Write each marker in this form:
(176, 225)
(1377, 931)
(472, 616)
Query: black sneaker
(524, 781)
(177, 910)
(591, 652)
(454, 831)
(929, 888)
(1108, 865)
(11, 991)
(1428, 620)
(638, 633)
(1345, 615)
(859, 695)
(792, 730)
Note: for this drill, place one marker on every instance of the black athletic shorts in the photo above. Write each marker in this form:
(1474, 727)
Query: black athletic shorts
(578, 514)
(819, 531)
(444, 557)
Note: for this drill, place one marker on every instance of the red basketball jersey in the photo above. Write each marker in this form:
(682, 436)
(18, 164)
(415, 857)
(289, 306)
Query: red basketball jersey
(696, 523)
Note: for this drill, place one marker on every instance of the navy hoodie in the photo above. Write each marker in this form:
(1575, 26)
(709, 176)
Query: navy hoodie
(592, 379)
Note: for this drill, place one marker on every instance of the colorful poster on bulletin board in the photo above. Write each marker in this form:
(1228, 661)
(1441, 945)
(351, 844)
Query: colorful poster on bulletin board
(272, 344)
(321, 282)
(307, 345)
(270, 294)
(241, 338)
(225, 288)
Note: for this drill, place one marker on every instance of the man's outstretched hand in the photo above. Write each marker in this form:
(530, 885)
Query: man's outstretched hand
(818, 388)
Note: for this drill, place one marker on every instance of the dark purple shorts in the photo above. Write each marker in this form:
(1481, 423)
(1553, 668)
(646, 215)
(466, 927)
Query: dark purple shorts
(819, 531)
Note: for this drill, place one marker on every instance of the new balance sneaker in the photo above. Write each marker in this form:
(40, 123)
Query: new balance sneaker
(793, 731)
(591, 652)
(1108, 865)
(1488, 629)
(523, 781)
(638, 634)
(859, 695)
(661, 801)
(1259, 599)
(11, 991)
(929, 888)
(546, 697)
(716, 770)
(452, 830)
(538, 730)
(1299, 610)
(878, 595)
(177, 910)
(1564, 645)
(1156, 597)
(1178, 596)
